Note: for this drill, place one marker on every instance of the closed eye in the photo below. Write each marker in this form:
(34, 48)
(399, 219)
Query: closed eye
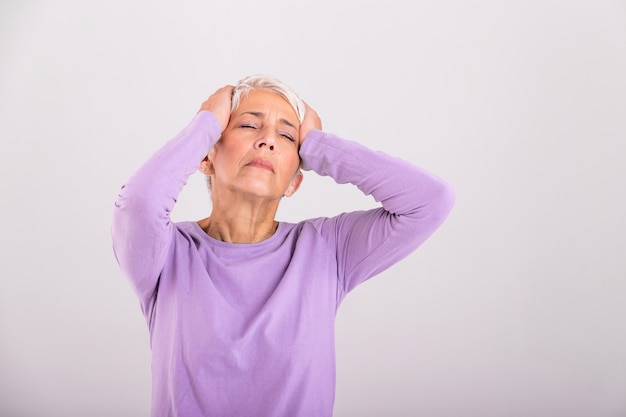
(288, 136)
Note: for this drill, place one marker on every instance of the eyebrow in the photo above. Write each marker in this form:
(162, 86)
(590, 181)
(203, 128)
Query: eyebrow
(261, 115)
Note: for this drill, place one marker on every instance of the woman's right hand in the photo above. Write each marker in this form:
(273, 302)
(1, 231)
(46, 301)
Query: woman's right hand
(219, 103)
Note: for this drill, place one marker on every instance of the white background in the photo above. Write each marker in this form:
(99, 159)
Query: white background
(516, 307)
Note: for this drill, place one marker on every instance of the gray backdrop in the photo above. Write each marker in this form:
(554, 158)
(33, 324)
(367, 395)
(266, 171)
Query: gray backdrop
(516, 307)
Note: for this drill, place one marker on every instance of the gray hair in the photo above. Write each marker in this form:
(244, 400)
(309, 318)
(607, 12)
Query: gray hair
(269, 83)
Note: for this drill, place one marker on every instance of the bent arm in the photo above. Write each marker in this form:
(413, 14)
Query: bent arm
(141, 230)
(414, 204)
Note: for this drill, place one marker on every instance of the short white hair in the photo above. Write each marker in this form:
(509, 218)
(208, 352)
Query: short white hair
(266, 82)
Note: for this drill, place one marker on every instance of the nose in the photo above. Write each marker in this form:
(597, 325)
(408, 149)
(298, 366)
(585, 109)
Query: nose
(265, 140)
(263, 144)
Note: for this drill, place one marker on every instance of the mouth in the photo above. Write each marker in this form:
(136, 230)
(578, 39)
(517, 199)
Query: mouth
(261, 163)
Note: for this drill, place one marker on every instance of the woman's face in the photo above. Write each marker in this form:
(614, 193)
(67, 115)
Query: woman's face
(257, 155)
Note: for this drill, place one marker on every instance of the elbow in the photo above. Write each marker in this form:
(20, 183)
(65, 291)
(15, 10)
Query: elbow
(447, 197)
(442, 202)
(435, 205)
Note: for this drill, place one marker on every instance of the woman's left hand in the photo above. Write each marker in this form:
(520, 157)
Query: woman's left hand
(311, 121)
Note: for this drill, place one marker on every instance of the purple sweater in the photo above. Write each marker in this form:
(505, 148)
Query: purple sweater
(248, 329)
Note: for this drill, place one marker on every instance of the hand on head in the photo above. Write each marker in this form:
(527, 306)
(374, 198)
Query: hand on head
(311, 121)
(219, 103)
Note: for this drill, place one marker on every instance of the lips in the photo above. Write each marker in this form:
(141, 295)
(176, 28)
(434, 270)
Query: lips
(261, 163)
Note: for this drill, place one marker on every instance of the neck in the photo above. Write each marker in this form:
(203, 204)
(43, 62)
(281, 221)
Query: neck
(243, 224)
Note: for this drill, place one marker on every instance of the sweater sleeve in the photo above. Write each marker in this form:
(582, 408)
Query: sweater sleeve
(141, 230)
(414, 204)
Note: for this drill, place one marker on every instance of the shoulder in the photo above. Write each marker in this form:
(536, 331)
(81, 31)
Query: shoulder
(188, 232)
(315, 225)
(322, 228)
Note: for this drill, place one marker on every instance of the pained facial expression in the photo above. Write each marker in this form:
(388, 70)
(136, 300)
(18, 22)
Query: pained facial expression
(257, 154)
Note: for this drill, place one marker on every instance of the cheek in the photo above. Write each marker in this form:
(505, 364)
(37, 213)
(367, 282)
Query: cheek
(226, 153)
(293, 162)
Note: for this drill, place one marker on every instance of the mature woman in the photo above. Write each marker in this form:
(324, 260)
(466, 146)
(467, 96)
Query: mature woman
(241, 307)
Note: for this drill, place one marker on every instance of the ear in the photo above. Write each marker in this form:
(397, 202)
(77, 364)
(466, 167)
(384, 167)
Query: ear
(206, 166)
(294, 184)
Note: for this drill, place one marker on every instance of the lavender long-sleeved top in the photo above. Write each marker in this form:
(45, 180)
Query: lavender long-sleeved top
(248, 329)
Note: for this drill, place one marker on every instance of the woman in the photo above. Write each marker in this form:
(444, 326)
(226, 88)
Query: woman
(241, 307)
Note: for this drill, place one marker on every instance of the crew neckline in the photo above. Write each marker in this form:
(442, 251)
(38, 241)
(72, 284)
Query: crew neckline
(216, 242)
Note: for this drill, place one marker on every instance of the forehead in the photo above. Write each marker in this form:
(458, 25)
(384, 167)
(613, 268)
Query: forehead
(268, 103)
